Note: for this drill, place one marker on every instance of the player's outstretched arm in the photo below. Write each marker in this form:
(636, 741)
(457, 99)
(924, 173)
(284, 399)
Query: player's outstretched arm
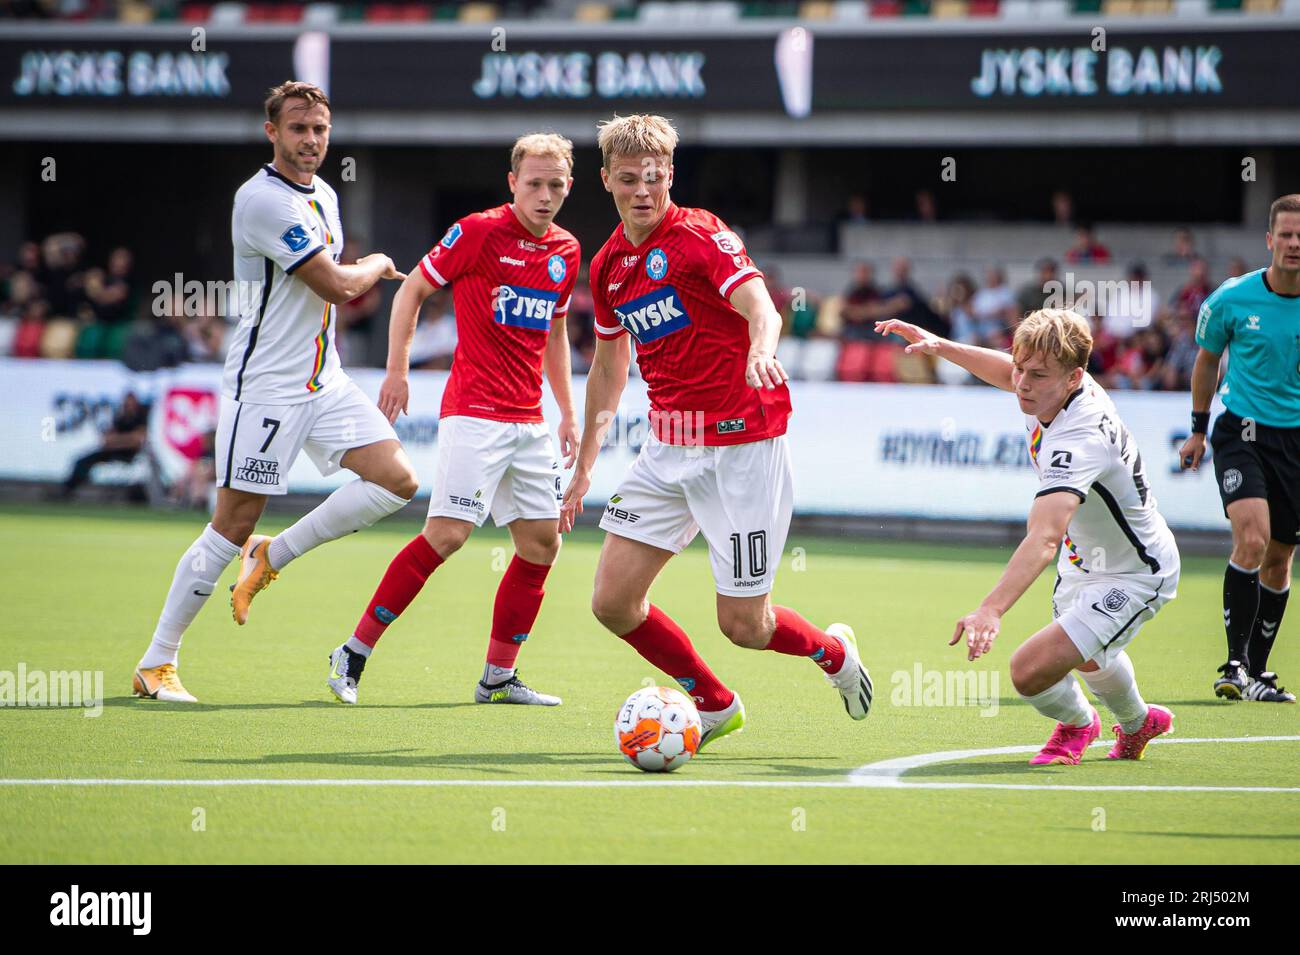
(1048, 520)
(605, 383)
(558, 365)
(1205, 378)
(339, 284)
(752, 300)
(395, 392)
(993, 367)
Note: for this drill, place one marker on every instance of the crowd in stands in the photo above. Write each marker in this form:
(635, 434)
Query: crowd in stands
(54, 303)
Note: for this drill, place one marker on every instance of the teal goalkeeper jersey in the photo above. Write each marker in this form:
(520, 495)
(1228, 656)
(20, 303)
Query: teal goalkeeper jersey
(1261, 329)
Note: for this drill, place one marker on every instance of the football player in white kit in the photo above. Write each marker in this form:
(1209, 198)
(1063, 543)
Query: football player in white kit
(1118, 561)
(283, 390)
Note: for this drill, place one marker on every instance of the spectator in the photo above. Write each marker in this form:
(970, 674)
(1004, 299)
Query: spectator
(1180, 358)
(582, 321)
(915, 305)
(62, 278)
(926, 209)
(856, 210)
(196, 487)
(864, 305)
(434, 344)
(1237, 266)
(1134, 307)
(1187, 300)
(994, 309)
(1062, 208)
(956, 306)
(1086, 248)
(1033, 294)
(124, 439)
(1183, 249)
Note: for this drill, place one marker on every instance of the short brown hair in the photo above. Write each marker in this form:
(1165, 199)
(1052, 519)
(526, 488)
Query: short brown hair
(544, 145)
(1058, 333)
(636, 134)
(1288, 203)
(294, 89)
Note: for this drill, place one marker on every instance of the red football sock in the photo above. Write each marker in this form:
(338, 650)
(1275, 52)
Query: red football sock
(666, 645)
(402, 581)
(799, 638)
(519, 597)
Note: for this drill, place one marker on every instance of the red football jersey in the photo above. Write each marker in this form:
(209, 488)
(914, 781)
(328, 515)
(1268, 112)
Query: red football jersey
(507, 287)
(670, 293)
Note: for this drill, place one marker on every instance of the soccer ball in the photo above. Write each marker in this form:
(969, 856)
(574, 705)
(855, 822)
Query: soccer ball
(658, 729)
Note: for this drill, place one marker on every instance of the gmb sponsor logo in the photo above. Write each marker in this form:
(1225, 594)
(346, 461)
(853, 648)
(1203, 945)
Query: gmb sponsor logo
(471, 502)
(654, 315)
(74, 907)
(619, 513)
(258, 471)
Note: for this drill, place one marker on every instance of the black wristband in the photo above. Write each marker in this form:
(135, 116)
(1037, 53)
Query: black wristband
(1200, 422)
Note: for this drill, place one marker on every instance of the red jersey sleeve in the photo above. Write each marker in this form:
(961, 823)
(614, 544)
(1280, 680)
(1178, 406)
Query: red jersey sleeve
(721, 254)
(607, 323)
(456, 252)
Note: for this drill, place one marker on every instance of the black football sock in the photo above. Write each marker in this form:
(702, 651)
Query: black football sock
(1240, 607)
(1272, 605)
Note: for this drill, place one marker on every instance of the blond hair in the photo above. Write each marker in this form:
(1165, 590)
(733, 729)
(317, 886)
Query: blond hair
(294, 89)
(1057, 333)
(542, 145)
(634, 135)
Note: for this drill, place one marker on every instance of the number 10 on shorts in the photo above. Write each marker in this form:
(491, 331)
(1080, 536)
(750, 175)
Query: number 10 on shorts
(757, 554)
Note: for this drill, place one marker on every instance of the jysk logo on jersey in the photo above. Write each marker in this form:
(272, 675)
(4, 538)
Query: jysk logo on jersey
(296, 238)
(522, 307)
(452, 235)
(653, 316)
(656, 264)
(555, 268)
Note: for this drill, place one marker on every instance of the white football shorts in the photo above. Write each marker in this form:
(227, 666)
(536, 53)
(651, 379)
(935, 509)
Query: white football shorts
(505, 468)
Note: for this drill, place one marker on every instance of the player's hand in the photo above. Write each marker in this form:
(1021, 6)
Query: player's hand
(569, 436)
(571, 506)
(764, 371)
(394, 394)
(918, 338)
(980, 627)
(390, 272)
(1190, 454)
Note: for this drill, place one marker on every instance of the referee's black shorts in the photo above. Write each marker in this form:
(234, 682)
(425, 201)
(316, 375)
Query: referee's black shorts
(1267, 467)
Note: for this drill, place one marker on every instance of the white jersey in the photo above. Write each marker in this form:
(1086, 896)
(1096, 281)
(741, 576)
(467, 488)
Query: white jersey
(1087, 451)
(282, 351)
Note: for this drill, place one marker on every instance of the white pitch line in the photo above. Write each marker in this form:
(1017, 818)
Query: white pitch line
(885, 774)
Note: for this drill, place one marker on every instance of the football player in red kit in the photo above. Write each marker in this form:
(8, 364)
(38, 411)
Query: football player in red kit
(512, 272)
(680, 283)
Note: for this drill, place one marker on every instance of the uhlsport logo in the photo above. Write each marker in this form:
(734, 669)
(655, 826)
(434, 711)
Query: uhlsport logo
(556, 268)
(656, 264)
(654, 315)
(521, 307)
(74, 907)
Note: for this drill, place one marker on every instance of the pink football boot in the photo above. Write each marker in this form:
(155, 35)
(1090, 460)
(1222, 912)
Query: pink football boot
(1067, 743)
(1132, 745)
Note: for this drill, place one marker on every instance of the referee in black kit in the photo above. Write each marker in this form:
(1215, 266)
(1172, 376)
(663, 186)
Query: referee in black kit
(1256, 444)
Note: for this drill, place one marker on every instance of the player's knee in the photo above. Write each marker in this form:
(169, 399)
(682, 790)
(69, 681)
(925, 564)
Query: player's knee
(404, 484)
(542, 551)
(746, 632)
(1250, 547)
(445, 539)
(1024, 676)
(614, 613)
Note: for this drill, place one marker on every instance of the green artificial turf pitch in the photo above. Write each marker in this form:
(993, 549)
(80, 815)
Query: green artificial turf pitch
(82, 589)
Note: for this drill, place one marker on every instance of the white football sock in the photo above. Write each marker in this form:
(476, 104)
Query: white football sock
(494, 675)
(351, 507)
(1115, 686)
(356, 646)
(1063, 702)
(196, 575)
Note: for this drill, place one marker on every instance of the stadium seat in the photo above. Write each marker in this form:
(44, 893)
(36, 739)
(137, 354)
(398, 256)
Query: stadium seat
(130, 11)
(320, 14)
(476, 12)
(950, 9)
(196, 12)
(1119, 8)
(1191, 8)
(984, 8)
(591, 12)
(273, 13)
(913, 369)
(850, 11)
(816, 10)
(27, 341)
(1016, 9)
(59, 339)
(829, 321)
(92, 341)
(8, 332)
(916, 8)
(1260, 6)
(227, 14)
(1155, 8)
(819, 358)
(886, 8)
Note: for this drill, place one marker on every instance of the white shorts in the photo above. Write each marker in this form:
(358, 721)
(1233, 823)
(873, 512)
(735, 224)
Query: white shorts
(1101, 615)
(257, 444)
(503, 467)
(739, 495)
